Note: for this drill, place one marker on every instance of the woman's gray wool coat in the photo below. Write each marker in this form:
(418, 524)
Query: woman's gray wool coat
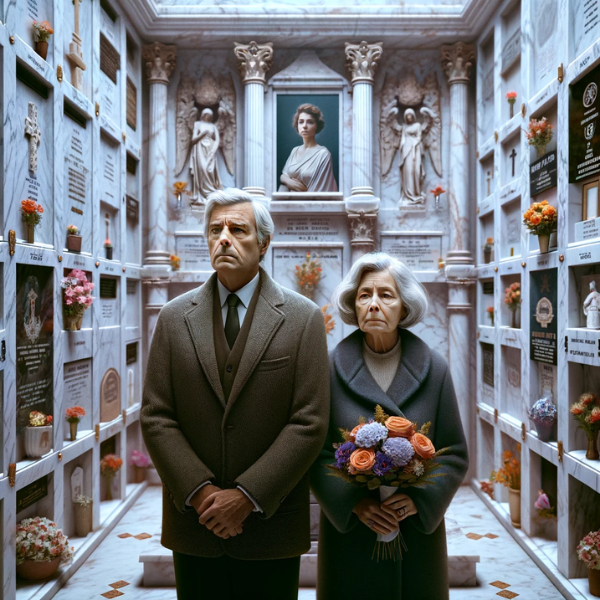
(421, 391)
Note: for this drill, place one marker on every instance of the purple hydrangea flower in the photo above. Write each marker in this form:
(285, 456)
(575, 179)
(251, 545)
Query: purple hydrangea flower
(382, 464)
(371, 434)
(342, 454)
(399, 450)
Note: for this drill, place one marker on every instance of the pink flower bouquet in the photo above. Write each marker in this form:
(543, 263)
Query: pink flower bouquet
(77, 295)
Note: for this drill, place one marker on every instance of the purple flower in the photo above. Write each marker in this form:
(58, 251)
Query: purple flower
(342, 454)
(399, 450)
(382, 464)
(371, 434)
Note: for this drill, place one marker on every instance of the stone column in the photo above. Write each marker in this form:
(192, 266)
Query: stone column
(460, 271)
(362, 206)
(160, 62)
(254, 61)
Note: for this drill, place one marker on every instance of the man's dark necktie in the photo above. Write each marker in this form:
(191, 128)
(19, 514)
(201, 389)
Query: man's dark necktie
(232, 324)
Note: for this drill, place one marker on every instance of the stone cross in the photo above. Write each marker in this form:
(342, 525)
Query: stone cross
(35, 135)
(513, 155)
(75, 55)
(489, 181)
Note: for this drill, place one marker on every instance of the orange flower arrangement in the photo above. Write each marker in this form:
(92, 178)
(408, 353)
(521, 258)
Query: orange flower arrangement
(423, 446)
(328, 319)
(362, 460)
(110, 464)
(308, 275)
(511, 97)
(175, 262)
(399, 427)
(438, 191)
(509, 474)
(42, 30)
(179, 187)
(75, 413)
(587, 412)
(539, 133)
(540, 218)
(31, 212)
(512, 296)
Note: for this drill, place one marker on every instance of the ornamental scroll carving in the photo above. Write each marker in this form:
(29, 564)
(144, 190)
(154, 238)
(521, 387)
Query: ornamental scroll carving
(254, 61)
(160, 60)
(361, 60)
(457, 61)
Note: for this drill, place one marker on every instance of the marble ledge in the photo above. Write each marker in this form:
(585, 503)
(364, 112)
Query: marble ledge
(510, 192)
(510, 266)
(543, 99)
(487, 334)
(486, 206)
(511, 337)
(510, 128)
(110, 129)
(486, 412)
(486, 148)
(511, 426)
(585, 62)
(85, 441)
(110, 267)
(583, 253)
(133, 149)
(485, 271)
(299, 206)
(34, 63)
(133, 334)
(77, 99)
(547, 450)
(582, 469)
(538, 261)
(28, 470)
(77, 345)
(132, 271)
(78, 260)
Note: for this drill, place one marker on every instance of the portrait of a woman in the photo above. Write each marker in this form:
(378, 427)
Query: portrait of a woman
(309, 167)
(383, 363)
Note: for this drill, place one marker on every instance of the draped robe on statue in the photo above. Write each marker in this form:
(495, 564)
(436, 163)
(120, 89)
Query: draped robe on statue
(421, 391)
(203, 160)
(314, 168)
(412, 173)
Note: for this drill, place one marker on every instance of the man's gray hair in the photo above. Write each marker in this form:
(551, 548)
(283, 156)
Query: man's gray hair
(229, 196)
(412, 293)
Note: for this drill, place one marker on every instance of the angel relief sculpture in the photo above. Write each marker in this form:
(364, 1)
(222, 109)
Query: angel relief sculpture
(206, 128)
(412, 137)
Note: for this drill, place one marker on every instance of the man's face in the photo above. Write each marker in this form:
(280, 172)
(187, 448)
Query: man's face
(232, 239)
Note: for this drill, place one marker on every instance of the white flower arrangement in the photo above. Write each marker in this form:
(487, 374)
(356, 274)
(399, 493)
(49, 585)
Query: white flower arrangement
(40, 540)
(82, 500)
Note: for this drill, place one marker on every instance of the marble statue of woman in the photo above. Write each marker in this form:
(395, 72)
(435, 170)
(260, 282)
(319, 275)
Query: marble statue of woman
(412, 152)
(309, 167)
(591, 307)
(203, 156)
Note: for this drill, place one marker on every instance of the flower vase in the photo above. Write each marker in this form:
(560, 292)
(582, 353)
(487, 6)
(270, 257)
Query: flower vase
(140, 474)
(512, 109)
(544, 240)
(42, 49)
(492, 318)
(540, 149)
(514, 503)
(38, 440)
(544, 429)
(109, 252)
(513, 319)
(34, 570)
(30, 233)
(487, 256)
(592, 449)
(74, 243)
(73, 322)
(108, 478)
(73, 430)
(83, 519)
(594, 581)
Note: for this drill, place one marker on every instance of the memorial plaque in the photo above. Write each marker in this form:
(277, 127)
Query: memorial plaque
(32, 493)
(544, 27)
(110, 61)
(542, 174)
(131, 287)
(511, 51)
(33, 10)
(108, 287)
(110, 396)
(419, 252)
(308, 228)
(76, 483)
(488, 287)
(78, 383)
(77, 178)
(487, 359)
(584, 127)
(131, 352)
(543, 322)
(131, 104)
(110, 173)
(34, 330)
(547, 378)
(133, 209)
(193, 252)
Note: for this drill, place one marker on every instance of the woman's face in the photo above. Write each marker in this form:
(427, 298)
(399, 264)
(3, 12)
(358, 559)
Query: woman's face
(409, 117)
(378, 305)
(307, 126)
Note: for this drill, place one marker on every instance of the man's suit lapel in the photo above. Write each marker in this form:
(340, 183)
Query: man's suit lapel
(267, 320)
(199, 320)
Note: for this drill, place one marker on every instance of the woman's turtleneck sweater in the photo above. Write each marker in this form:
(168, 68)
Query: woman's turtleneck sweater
(382, 366)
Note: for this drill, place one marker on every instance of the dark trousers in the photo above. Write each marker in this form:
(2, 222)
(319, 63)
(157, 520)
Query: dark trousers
(226, 578)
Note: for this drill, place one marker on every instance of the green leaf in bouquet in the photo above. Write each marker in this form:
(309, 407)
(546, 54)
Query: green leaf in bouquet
(380, 416)
(389, 476)
(373, 484)
(425, 428)
(361, 479)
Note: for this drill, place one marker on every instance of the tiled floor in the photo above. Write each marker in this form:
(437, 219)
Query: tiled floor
(502, 559)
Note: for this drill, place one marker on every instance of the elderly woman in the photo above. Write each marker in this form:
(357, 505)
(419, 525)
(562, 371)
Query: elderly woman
(384, 363)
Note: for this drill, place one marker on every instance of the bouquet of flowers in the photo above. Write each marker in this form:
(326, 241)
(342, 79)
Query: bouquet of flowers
(42, 30)
(542, 504)
(175, 262)
(540, 218)
(39, 419)
(74, 414)
(110, 464)
(511, 98)
(543, 410)
(489, 244)
(77, 293)
(139, 459)
(82, 500)
(512, 296)
(308, 275)
(72, 229)
(587, 411)
(328, 319)
(387, 453)
(509, 474)
(490, 312)
(589, 550)
(39, 539)
(31, 213)
(539, 133)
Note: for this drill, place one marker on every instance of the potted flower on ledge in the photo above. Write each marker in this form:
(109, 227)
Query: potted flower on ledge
(73, 239)
(109, 467)
(38, 434)
(541, 218)
(539, 135)
(547, 515)
(488, 248)
(83, 506)
(31, 214)
(74, 415)
(41, 548)
(76, 298)
(42, 30)
(512, 299)
(589, 552)
(140, 461)
(509, 475)
(587, 411)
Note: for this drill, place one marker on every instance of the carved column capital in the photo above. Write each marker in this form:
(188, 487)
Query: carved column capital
(361, 60)
(160, 61)
(362, 230)
(457, 61)
(254, 61)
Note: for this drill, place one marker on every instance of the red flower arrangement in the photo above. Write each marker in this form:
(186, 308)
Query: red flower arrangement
(31, 213)
(74, 414)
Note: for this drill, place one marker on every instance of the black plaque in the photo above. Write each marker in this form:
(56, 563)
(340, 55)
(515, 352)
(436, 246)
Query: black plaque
(487, 359)
(133, 210)
(35, 325)
(584, 127)
(110, 61)
(543, 317)
(108, 287)
(131, 353)
(131, 287)
(31, 493)
(542, 174)
(488, 287)
(131, 104)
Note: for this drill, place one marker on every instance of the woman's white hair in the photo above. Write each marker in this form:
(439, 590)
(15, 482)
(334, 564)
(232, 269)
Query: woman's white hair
(412, 293)
(229, 196)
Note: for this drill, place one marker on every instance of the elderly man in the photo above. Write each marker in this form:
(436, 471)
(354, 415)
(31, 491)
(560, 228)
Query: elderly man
(235, 411)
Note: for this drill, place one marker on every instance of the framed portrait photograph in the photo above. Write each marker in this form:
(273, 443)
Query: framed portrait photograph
(308, 143)
(589, 200)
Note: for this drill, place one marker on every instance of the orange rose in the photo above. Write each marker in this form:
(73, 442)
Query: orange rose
(399, 427)
(422, 445)
(362, 460)
(355, 431)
